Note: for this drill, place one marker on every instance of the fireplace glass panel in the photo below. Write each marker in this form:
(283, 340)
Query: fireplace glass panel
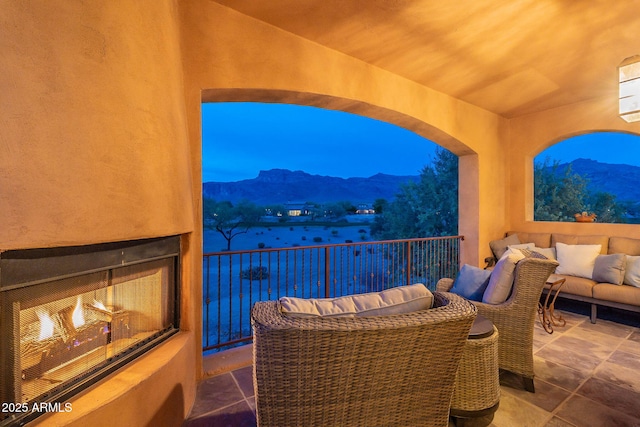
(62, 335)
(71, 335)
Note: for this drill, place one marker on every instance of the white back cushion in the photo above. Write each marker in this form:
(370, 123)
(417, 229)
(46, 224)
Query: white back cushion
(403, 299)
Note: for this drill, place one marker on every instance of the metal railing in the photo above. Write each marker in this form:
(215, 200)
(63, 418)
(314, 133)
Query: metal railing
(233, 281)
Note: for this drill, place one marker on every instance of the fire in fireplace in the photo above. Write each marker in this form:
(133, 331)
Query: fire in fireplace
(70, 316)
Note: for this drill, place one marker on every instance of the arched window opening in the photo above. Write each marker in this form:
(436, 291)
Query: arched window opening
(590, 177)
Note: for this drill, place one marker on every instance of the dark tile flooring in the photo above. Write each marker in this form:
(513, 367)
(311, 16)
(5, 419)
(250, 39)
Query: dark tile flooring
(587, 375)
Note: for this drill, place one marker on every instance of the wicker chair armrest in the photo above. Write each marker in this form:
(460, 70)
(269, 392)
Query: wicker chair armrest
(444, 285)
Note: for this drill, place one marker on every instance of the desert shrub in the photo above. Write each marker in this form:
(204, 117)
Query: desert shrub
(334, 232)
(363, 236)
(303, 238)
(317, 239)
(261, 245)
(255, 273)
(362, 231)
(348, 241)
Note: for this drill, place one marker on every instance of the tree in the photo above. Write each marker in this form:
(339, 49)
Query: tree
(230, 220)
(379, 205)
(425, 208)
(558, 197)
(606, 207)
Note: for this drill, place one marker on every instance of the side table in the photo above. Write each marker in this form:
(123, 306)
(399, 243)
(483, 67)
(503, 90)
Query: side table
(546, 311)
(477, 385)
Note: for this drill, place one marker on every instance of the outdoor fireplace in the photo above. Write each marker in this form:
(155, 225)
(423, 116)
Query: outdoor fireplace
(70, 316)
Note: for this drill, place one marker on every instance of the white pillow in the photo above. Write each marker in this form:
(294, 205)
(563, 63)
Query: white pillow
(577, 260)
(632, 271)
(501, 279)
(403, 299)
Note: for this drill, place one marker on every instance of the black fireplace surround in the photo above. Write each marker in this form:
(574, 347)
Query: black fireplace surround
(69, 316)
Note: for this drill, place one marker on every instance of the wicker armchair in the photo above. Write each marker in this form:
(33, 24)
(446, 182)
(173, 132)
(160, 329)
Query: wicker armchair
(515, 317)
(361, 371)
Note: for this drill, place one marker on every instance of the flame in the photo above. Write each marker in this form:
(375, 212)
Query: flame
(100, 305)
(78, 314)
(46, 324)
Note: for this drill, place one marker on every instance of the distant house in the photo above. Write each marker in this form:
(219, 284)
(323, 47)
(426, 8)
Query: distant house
(365, 208)
(298, 208)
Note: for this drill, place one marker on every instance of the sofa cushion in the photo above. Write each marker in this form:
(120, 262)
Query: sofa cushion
(609, 268)
(632, 271)
(403, 299)
(577, 260)
(501, 280)
(621, 294)
(575, 285)
(541, 240)
(572, 239)
(499, 247)
(624, 245)
(471, 282)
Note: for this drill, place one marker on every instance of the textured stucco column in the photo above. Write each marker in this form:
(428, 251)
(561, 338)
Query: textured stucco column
(94, 148)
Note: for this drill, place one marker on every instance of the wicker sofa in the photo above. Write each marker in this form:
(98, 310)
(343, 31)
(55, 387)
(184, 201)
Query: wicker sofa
(595, 292)
(358, 371)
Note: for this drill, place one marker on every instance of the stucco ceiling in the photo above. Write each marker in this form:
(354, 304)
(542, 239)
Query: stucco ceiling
(509, 57)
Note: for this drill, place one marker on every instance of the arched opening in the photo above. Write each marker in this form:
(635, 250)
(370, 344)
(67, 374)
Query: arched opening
(250, 271)
(468, 199)
(589, 177)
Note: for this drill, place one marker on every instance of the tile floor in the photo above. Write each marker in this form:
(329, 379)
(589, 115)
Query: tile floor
(586, 375)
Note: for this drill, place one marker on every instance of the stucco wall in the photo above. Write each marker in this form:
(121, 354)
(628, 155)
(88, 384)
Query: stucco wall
(94, 148)
(232, 57)
(531, 134)
(92, 123)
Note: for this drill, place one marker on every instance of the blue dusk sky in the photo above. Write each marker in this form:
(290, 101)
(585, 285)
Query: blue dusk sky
(240, 139)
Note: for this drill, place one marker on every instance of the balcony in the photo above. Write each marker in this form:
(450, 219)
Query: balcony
(586, 375)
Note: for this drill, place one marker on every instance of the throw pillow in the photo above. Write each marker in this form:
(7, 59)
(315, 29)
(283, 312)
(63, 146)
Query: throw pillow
(549, 253)
(632, 271)
(501, 280)
(471, 282)
(403, 299)
(498, 247)
(577, 260)
(609, 269)
(517, 249)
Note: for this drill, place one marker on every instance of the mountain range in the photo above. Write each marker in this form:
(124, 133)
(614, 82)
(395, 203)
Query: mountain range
(623, 181)
(279, 186)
